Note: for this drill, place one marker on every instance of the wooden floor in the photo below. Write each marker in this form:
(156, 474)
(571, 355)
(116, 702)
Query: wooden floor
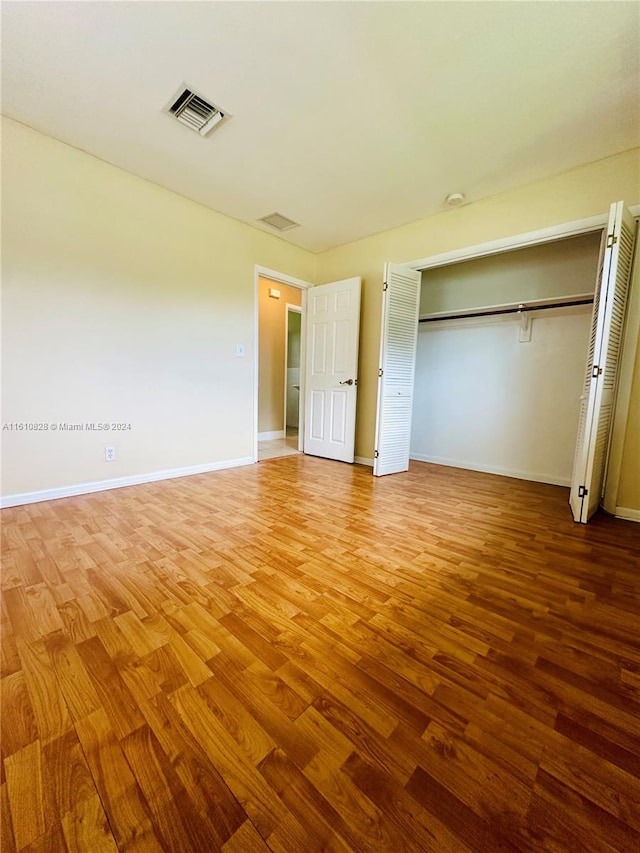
(295, 656)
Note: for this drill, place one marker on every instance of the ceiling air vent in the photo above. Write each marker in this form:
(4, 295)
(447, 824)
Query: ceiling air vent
(279, 222)
(195, 112)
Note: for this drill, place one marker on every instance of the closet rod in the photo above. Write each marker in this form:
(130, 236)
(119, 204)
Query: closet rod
(514, 310)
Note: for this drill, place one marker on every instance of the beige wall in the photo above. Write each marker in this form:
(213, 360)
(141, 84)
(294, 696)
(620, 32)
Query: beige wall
(563, 268)
(122, 302)
(272, 330)
(629, 488)
(583, 192)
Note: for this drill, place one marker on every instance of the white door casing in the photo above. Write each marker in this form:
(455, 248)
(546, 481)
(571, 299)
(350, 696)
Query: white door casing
(601, 376)
(292, 385)
(398, 342)
(331, 369)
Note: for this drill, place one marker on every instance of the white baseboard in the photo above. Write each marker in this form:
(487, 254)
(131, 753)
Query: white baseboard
(627, 513)
(364, 460)
(118, 482)
(269, 436)
(534, 476)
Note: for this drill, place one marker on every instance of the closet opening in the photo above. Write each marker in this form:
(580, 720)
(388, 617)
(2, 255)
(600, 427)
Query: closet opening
(500, 360)
(465, 392)
(280, 338)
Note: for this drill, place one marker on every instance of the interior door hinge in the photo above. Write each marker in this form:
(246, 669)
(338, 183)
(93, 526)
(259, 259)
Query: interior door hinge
(596, 371)
(582, 492)
(385, 287)
(375, 454)
(380, 372)
(611, 240)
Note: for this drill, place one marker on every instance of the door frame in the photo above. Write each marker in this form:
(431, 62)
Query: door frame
(278, 278)
(295, 309)
(562, 231)
(512, 243)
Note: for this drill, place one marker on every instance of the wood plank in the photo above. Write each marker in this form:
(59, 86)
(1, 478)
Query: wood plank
(261, 804)
(17, 725)
(7, 839)
(116, 786)
(174, 815)
(86, 827)
(25, 793)
(246, 839)
(75, 684)
(114, 696)
(323, 822)
(180, 730)
(66, 775)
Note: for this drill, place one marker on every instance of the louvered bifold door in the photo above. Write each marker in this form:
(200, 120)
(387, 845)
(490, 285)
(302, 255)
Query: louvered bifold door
(586, 400)
(598, 401)
(399, 336)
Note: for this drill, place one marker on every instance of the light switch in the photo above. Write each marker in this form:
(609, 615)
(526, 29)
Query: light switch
(240, 350)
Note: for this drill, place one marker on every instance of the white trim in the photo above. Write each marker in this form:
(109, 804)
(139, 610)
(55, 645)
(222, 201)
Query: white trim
(296, 309)
(627, 513)
(363, 460)
(510, 244)
(283, 278)
(118, 482)
(271, 435)
(533, 476)
(303, 371)
(634, 210)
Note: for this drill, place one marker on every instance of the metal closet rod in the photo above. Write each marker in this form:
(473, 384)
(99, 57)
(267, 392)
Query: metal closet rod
(515, 309)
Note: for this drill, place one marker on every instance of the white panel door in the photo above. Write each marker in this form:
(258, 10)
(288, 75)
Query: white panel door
(331, 369)
(602, 365)
(398, 341)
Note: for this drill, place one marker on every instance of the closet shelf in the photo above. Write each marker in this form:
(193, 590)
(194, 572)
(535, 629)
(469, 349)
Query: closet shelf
(510, 308)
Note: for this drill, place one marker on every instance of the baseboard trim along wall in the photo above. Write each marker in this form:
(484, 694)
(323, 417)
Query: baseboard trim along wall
(119, 482)
(363, 460)
(627, 513)
(534, 476)
(270, 436)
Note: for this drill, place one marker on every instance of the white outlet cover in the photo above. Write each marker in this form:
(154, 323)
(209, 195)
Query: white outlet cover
(240, 350)
(109, 454)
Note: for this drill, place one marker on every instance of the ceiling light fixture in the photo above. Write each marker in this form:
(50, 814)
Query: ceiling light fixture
(454, 199)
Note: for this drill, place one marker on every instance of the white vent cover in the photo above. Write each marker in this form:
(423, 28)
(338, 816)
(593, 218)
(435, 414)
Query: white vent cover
(279, 222)
(194, 111)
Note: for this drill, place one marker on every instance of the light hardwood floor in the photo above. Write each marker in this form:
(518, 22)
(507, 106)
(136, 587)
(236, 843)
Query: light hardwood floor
(295, 656)
(278, 447)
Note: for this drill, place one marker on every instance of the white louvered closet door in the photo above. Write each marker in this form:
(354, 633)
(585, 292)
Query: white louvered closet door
(598, 401)
(400, 305)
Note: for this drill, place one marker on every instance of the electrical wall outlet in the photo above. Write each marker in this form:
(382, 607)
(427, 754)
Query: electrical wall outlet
(109, 454)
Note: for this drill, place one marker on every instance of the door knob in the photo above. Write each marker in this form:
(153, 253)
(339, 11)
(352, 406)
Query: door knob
(347, 382)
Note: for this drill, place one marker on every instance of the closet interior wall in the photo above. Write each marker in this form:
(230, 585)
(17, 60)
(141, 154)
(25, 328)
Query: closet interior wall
(484, 400)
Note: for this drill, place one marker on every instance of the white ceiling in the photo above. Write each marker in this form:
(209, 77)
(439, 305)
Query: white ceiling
(350, 118)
